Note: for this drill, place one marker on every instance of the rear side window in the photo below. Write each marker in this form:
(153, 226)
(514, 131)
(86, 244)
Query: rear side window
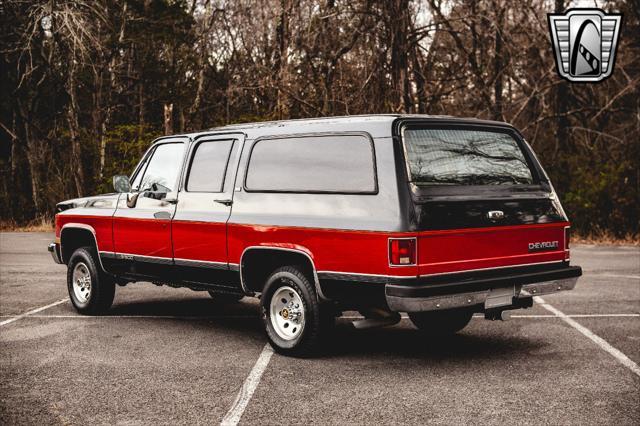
(465, 157)
(209, 166)
(317, 164)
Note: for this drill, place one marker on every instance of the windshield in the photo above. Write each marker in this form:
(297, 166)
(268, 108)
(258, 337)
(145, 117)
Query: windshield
(465, 157)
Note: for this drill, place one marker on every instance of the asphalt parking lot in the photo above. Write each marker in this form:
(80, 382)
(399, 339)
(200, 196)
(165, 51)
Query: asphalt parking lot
(174, 356)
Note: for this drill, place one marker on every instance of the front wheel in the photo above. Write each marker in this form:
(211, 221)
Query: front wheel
(441, 323)
(293, 318)
(90, 289)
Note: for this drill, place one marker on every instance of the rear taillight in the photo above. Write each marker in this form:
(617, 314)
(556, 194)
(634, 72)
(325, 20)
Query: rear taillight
(567, 239)
(402, 251)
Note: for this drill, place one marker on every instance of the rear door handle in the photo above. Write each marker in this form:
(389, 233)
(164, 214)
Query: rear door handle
(226, 202)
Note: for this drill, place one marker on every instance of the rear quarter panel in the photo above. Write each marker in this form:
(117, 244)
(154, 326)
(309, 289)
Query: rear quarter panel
(340, 232)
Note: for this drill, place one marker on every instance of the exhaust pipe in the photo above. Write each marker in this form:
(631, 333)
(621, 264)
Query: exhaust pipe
(376, 318)
(504, 313)
(497, 314)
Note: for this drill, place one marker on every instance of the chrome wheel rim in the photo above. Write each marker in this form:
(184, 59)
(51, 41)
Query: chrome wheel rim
(287, 313)
(81, 283)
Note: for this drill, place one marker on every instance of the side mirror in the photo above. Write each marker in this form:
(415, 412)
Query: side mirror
(133, 200)
(121, 183)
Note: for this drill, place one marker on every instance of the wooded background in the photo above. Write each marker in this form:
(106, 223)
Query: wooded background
(83, 100)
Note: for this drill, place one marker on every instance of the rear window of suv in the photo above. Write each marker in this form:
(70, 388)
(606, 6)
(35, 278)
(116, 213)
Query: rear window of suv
(465, 157)
(313, 164)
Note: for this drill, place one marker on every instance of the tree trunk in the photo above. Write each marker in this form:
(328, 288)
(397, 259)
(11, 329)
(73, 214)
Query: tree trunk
(419, 79)
(106, 119)
(140, 108)
(399, 27)
(168, 119)
(281, 60)
(181, 119)
(33, 158)
(99, 119)
(74, 133)
(13, 178)
(103, 147)
(498, 70)
(34, 169)
(562, 123)
(197, 102)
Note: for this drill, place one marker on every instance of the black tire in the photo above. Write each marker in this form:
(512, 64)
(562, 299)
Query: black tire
(225, 297)
(102, 286)
(441, 323)
(318, 319)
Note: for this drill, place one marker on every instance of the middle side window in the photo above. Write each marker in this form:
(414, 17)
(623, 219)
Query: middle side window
(209, 166)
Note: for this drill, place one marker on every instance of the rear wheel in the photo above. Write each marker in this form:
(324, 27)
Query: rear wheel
(441, 323)
(90, 289)
(293, 318)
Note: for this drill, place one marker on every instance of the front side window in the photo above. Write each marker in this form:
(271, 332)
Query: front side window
(208, 166)
(465, 157)
(162, 169)
(135, 184)
(330, 164)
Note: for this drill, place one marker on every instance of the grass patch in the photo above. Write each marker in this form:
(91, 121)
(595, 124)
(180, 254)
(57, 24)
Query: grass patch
(37, 225)
(606, 239)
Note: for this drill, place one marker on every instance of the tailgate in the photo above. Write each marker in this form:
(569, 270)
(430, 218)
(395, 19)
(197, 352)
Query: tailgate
(481, 198)
(449, 251)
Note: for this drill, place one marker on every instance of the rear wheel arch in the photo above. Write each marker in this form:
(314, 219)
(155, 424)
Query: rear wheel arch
(258, 262)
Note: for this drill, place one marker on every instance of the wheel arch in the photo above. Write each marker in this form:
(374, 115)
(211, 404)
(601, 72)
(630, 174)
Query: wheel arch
(257, 262)
(74, 236)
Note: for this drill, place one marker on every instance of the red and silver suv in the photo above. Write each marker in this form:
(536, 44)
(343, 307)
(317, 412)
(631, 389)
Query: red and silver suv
(434, 216)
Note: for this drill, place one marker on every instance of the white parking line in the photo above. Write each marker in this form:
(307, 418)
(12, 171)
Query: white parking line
(633, 277)
(248, 388)
(622, 358)
(193, 317)
(347, 317)
(572, 316)
(581, 316)
(33, 311)
(355, 317)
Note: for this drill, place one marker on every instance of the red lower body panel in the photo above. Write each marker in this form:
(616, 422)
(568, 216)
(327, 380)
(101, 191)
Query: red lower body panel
(99, 224)
(205, 241)
(358, 252)
(481, 248)
(145, 237)
(362, 252)
(346, 251)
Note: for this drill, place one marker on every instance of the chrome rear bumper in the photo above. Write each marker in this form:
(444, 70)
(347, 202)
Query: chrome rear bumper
(54, 249)
(433, 297)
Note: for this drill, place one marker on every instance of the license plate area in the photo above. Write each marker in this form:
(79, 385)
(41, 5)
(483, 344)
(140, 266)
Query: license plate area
(498, 297)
